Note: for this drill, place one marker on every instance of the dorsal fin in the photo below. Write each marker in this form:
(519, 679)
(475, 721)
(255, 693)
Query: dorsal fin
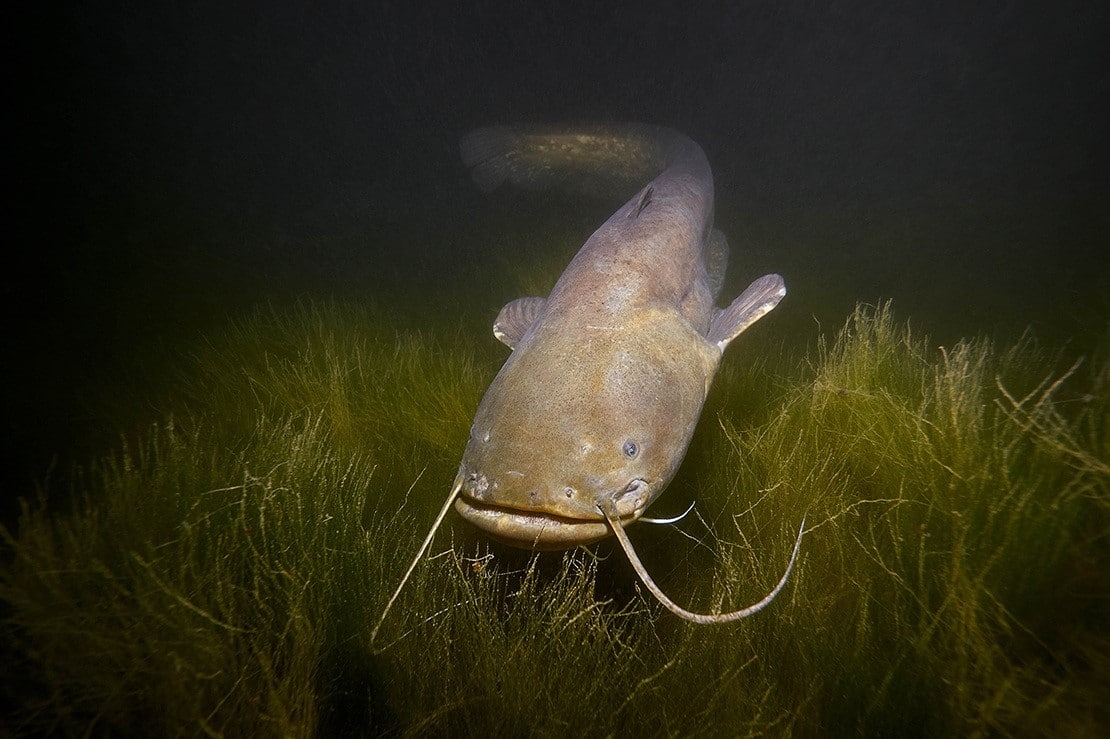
(515, 318)
(643, 202)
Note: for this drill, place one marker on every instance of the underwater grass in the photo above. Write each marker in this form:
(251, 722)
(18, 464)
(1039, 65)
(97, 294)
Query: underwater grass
(221, 574)
(958, 507)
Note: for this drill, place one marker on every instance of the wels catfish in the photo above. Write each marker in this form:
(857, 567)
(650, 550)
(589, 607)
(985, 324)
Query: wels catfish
(592, 412)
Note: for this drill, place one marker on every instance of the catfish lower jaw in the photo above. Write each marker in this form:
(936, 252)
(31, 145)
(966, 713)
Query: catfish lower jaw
(535, 529)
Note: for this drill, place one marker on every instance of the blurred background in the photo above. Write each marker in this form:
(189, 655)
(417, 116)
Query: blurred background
(175, 164)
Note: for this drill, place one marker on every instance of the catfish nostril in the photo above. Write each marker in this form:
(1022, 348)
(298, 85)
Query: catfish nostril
(569, 491)
(632, 498)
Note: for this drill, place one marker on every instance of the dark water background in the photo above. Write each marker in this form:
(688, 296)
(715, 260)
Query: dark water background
(176, 163)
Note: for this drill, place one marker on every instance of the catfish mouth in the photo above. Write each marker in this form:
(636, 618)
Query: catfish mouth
(527, 529)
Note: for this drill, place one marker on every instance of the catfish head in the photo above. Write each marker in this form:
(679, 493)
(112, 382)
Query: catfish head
(581, 423)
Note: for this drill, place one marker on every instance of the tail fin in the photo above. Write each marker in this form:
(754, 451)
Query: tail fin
(488, 154)
(590, 159)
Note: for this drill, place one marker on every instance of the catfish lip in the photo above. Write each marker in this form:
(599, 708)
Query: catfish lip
(533, 529)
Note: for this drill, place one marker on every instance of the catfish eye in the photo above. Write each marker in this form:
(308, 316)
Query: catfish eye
(630, 449)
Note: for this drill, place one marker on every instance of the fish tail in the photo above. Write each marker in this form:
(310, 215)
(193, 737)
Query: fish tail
(589, 159)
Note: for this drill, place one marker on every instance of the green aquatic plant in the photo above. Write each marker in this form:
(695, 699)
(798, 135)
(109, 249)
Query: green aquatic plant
(177, 593)
(948, 508)
(401, 397)
(221, 573)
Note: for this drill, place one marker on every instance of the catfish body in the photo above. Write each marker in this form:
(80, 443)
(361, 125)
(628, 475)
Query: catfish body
(593, 411)
(590, 416)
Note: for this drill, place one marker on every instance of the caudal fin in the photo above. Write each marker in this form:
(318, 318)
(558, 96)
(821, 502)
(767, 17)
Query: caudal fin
(598, 160)
(488, 154)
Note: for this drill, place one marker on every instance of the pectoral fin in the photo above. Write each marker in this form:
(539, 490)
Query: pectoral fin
(754, 303)
(515, 318)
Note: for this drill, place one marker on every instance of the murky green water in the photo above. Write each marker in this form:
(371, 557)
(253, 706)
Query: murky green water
(250, 321)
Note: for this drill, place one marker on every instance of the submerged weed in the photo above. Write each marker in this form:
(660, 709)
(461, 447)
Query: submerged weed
(222, 574)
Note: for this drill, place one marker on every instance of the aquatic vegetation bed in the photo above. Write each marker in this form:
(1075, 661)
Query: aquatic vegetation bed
(221, 574)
